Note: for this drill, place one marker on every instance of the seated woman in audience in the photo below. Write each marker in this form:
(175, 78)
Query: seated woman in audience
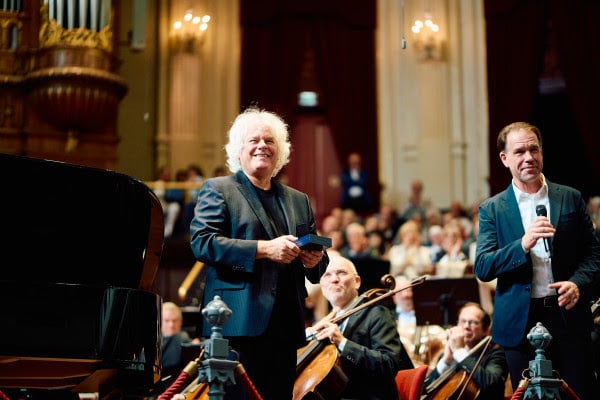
(409, 258)
(454, 263)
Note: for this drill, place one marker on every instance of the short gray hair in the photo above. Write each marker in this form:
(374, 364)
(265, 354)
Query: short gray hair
(250, 120)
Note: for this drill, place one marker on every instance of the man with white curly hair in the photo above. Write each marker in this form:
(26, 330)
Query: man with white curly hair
(244, 230)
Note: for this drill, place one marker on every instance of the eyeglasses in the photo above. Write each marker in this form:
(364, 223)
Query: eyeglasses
(471, 322)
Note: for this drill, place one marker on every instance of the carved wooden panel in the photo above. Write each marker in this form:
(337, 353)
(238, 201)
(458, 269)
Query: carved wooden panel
(59, 84)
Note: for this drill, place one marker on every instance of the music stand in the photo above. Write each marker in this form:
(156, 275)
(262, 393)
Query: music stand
(370, 271)
(438, 300)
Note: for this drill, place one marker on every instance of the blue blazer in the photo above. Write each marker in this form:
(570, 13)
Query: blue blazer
(229, 220)
(575, 257)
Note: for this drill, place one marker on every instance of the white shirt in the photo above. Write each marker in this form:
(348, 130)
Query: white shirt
(458, 355)
(542, 266)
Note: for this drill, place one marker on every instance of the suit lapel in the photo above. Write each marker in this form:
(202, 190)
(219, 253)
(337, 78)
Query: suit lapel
(555, 198)
(353, 319)
(510, 209)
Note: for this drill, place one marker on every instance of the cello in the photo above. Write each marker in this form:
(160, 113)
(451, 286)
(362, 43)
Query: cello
(455, 383)
(318, 371)
(318, 368)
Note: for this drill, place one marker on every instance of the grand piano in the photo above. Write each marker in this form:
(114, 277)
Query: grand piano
(79, 251)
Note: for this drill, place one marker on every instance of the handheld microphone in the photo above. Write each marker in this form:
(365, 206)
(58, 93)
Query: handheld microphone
(540, 211)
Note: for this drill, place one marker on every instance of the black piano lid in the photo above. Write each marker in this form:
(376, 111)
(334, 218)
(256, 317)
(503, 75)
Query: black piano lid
(66, 223)
(79, 251)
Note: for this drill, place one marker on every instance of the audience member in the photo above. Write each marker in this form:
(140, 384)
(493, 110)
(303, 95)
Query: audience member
(436, 243)
(173, 336)
(348, 216)
(194, 177)
(458, 213)
(593, 207)
(219, 170)
(374, 235)
(337, 213)
(406, 319)
(433, 217)
(377, 242)
(453, 263)
(389, 223)
(471, 249)
(463, 349)
(371, 352)
(330, 223)
(171, 200)
(415, 203)
(355, 186)
(181, 175)
(545, 265)
(409, 258)
(421, 224)
(371, 222)
(337, 242)
(470, 235)
(357, 243)
(244, 231)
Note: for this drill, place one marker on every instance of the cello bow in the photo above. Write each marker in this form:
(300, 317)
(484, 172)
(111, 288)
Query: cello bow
(374, 296)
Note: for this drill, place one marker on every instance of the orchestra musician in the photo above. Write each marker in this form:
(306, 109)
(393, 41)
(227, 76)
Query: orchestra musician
(423, 343)
(369, 345)
(461, 354)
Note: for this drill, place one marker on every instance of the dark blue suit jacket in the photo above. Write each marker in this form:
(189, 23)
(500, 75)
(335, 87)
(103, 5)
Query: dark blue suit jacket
(364, 201)
(575, 257)
(229, 220)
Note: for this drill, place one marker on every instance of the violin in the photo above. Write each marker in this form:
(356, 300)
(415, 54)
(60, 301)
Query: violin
(318, 367)
(455, 383)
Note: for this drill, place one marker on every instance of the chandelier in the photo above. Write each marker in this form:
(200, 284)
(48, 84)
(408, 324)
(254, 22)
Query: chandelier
(427, 39)
(188, 33)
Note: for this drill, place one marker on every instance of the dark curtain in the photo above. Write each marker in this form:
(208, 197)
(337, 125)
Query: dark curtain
(578, 41)
(515, 51)
(276, 35)
(517, 32)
